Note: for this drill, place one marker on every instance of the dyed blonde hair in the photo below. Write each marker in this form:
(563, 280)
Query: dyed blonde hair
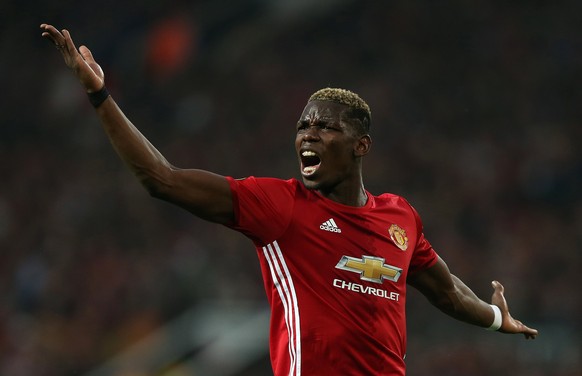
(359, 108)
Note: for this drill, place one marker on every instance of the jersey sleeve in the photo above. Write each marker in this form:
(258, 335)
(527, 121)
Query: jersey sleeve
(424, 255)
(263, 207)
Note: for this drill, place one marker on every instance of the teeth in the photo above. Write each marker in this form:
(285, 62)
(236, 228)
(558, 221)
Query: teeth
(308, 153)
(309, 170)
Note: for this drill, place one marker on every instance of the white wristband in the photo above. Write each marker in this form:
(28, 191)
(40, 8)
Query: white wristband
(497, 320)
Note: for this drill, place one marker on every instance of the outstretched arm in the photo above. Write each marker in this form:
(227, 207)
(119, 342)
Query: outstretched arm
(448, 293)
(203, 193)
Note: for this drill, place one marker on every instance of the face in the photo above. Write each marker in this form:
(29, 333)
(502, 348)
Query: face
(329, 147)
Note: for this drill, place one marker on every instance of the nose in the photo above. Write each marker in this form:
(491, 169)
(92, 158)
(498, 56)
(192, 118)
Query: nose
(311, 134)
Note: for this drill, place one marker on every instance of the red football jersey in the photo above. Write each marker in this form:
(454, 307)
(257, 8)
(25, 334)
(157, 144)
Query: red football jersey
(335, 275)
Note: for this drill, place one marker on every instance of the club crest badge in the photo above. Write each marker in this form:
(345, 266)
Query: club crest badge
(398, 236)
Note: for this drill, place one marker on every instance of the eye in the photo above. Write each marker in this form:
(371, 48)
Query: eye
(301, 125)
(328, 127)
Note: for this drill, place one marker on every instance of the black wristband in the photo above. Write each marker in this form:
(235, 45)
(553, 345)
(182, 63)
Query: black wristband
(98, 97)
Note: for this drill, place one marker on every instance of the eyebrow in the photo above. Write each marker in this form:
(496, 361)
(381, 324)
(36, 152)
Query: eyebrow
(319, 118)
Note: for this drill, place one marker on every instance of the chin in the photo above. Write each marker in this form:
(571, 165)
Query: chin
(315, 185)
(310, 184)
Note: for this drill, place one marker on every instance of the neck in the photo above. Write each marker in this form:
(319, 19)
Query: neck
(350, 196)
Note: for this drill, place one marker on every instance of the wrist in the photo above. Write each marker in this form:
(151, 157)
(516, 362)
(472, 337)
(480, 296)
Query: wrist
(98, 97)
(497, 319)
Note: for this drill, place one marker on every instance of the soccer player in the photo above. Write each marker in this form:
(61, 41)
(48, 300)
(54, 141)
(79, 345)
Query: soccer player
(335, 259)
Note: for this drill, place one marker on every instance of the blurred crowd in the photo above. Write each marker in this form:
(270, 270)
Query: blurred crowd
(475, 120)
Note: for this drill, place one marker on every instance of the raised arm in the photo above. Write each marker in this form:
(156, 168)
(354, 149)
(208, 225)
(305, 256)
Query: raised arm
(203, 193)
(448, 293)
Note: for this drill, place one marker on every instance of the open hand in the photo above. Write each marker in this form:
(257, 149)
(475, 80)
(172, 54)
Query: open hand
(509, 324)
(81, 62)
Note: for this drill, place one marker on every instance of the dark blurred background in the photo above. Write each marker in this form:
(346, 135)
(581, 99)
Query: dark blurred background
(476, 121)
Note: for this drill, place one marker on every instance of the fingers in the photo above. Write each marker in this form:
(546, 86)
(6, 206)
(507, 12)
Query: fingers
(61, 39)
(80, 61)
(529, 333)
(509, 324)
(69, 44)
(513, 326)
(52, 34)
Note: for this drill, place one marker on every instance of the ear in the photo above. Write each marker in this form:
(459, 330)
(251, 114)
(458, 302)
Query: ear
(363, 145)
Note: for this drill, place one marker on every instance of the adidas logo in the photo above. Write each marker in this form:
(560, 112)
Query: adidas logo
(330, 225)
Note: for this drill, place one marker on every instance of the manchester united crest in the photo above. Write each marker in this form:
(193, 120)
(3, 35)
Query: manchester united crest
(398, 236)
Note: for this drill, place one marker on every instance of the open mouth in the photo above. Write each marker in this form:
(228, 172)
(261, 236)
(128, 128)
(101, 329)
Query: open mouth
(310, 162)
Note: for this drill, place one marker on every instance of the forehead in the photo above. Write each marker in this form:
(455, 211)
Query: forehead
(323, 110)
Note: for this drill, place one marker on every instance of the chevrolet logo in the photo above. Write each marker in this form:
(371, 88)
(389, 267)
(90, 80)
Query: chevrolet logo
(371, 269)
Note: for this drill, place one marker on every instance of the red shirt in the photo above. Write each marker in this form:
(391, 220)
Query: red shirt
(335, 275)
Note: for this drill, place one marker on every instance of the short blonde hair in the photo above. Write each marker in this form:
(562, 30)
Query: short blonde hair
(360, 109)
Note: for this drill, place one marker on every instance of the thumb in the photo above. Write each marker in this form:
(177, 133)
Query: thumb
(96, 77)
(86, 53)
(498, 287)
(498, 298)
